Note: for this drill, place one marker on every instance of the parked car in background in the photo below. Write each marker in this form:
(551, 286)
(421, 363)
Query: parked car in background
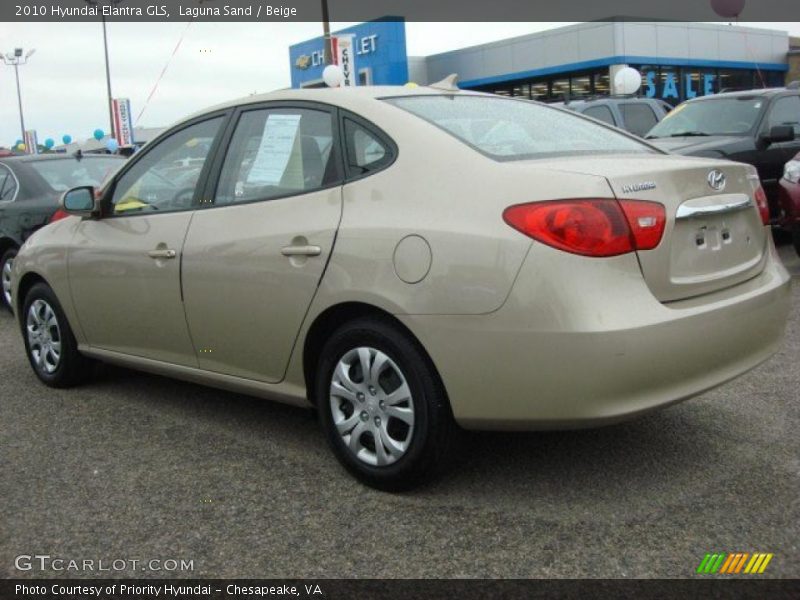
(789, 199)
(637, 115)
(410, 259)
(758, 127)
(30, 187)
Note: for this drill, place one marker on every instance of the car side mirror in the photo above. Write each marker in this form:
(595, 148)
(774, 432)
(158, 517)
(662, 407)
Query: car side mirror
(779, 133)
(79, 201)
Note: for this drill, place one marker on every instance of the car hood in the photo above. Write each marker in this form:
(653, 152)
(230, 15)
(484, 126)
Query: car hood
(693, 145)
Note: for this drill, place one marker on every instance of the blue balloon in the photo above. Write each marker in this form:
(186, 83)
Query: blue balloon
(98, 134)
(67, 139)
(112, 145)
(18, 142)
(49, 143)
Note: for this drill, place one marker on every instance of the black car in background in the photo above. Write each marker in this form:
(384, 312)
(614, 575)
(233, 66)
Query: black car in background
(30, 187)
(759, 127)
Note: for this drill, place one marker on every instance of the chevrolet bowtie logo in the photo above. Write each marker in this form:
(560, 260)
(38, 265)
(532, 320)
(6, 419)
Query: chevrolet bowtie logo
(303, 62)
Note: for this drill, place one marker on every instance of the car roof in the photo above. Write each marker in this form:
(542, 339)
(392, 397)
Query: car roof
(346, 97)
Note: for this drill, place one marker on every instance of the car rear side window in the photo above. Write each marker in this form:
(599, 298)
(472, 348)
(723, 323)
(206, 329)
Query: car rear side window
(601, 113)
(365, 151)
(278, 152)
(639, 118)
(506, 129)
(8, 184)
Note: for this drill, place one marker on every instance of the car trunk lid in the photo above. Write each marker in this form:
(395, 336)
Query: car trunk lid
(713, 238)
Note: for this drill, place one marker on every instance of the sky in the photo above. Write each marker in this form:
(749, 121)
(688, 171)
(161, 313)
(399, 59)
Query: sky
(64, 85)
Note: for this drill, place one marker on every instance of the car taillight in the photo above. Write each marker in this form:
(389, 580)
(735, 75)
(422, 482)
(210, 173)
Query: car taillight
(591, 227)
(763, 205)
(58, 215)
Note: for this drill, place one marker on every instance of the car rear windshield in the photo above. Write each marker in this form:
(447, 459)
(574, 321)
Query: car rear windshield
(505, 129)
(714, 116)
(65, 174)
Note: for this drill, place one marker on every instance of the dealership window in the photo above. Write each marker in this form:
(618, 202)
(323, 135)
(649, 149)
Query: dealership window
(540, 91)
(736, 79)
(580, 85)
(559, 89)
(639, 118)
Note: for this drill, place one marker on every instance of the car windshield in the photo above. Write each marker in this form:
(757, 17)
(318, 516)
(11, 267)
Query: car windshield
(62, 175)
(505, 129)
(715, 116)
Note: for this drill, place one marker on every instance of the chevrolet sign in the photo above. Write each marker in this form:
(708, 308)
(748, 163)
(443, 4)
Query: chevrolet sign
(303, 62)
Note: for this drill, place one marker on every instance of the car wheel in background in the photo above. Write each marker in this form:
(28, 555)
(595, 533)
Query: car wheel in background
(6, 262)
(796, 239)
(49, 341)
(382, 406)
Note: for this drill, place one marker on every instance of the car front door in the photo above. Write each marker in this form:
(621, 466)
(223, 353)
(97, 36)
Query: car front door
(254, 257)
(124, 268)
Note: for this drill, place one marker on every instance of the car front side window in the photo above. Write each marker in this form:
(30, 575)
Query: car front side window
(277, 152)
(165, 178)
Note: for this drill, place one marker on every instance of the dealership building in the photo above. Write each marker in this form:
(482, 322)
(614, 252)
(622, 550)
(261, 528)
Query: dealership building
(677, 61)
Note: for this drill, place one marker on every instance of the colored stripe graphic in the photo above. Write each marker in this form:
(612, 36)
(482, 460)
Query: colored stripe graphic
(733, 563)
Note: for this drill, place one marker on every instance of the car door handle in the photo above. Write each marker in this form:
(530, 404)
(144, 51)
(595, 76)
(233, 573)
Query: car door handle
(301, 250)
(162, 253)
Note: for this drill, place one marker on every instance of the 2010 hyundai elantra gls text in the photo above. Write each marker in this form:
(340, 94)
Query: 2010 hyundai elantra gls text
(410, 260)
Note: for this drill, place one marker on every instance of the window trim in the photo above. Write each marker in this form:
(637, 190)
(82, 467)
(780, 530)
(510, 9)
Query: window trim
(765, 127)
(16, 180)
(106, 207)
(384, 138)
(212, 182)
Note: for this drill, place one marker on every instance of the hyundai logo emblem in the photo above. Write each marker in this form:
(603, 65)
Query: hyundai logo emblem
(716, 179)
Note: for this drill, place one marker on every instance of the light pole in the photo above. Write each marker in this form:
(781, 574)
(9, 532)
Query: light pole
(16, 59)
(108, 68)
(326, 35)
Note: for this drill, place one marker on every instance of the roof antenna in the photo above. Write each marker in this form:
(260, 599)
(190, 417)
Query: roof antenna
(448, 84)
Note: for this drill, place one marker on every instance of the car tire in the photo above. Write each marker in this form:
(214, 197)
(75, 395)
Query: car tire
(796, 239)
(6, 261)
(407, 435)
(49, 342)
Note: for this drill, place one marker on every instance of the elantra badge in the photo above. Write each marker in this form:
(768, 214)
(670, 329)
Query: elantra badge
(638, 187)
(716, 179)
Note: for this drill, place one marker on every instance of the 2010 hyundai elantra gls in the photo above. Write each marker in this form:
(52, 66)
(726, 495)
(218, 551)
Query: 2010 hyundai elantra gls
(410, 260)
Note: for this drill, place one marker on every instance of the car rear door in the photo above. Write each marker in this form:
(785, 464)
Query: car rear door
(253, 257)
(124, 268)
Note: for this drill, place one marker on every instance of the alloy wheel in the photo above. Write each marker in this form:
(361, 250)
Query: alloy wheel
(372, 407)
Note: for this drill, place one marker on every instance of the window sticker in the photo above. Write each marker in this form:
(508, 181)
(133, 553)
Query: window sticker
(277, 145)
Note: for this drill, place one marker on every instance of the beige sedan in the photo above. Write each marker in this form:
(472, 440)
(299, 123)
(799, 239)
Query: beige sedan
(410, 261)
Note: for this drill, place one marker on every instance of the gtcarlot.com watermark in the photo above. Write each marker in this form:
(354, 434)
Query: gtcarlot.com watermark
(58, 564)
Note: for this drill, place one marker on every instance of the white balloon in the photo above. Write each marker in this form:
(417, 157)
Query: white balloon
(627, 81)
(332, 75)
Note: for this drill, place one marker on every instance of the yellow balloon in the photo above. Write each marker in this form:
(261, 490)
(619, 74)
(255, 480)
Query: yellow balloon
(22, 147)
(411, 84)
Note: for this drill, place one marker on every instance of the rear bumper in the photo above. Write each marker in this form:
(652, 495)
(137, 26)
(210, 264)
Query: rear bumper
(582, 343)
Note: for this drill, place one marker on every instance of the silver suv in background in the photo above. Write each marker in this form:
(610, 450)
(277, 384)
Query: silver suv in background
(636, 115)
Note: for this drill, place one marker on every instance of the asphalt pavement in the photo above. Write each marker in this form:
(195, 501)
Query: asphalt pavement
(136, 467)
